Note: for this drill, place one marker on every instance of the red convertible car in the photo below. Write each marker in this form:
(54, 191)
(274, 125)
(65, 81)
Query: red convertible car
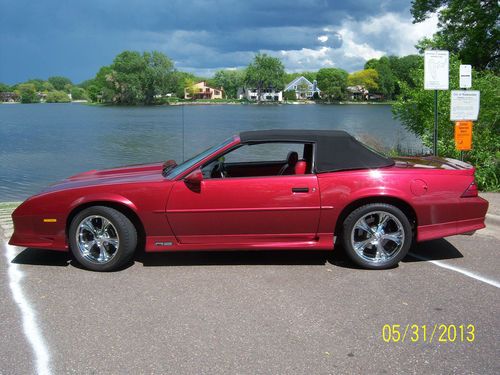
(273, 189)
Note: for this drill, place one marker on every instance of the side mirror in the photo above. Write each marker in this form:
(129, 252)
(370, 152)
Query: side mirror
(194, 178)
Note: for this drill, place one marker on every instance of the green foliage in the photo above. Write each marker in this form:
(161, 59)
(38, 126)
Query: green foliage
(77, 93)
(133, 78)
(367, 78)
(290, 95)
(310, 76)
(4, 87)
(386, 78)
(158, 78)
(332, 83)
(60, 83)
(415, 110)
(265, 72)
(57, 97)
(27, 93)
(230, 80)
(466, 28)
(402, 67)
(183, 80)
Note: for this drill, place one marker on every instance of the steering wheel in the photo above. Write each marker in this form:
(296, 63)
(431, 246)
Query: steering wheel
(220, 168)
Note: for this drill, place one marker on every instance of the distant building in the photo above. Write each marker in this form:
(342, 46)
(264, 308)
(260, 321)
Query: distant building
(9, 97)
(42, 97)
(266, 95)
(357, 92)
(200, 90)
(303, 88)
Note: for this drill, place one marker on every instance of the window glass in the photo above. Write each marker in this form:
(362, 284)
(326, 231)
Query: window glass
(263, 152)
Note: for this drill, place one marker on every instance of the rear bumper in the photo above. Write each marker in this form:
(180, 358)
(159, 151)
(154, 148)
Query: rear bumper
(475, 208)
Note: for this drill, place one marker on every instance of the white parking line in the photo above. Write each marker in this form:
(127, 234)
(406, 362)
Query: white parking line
(30, 327)
(459, 270)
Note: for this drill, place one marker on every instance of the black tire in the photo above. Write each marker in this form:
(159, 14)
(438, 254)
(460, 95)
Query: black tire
(373, 211)
(126, 234)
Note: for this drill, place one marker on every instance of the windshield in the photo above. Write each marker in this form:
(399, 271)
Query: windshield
(174, 172)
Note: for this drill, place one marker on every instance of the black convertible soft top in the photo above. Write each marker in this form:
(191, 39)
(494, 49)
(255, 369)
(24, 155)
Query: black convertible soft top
(335, 150)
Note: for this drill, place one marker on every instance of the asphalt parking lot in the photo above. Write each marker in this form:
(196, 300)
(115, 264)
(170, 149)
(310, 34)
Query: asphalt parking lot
(249, 313)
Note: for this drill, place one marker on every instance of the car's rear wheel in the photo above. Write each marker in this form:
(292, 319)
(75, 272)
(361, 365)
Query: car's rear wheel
(377, 235)
(102, 238)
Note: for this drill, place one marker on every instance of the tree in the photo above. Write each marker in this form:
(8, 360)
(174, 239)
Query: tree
(57, 97)
(183, 80)
(158, 76)
(367, 78)
(133, 78)
(414, 109)
(126, 77)
(290, 95)
(190, 87)
(230, 80)
(265, 72)
(27, 93)
(310, 76)
(332, 82)
(77, 93)
(402, 68)
(60, 83)
(386, 78)
(466, 28)
(4, 87)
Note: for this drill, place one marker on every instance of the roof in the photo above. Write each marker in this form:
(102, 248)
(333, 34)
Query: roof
(296, 81)
(335, 149)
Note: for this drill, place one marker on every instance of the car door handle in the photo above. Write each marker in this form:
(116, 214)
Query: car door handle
(300, 190)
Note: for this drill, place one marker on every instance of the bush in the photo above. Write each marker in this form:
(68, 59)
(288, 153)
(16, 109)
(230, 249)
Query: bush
(57, 97)
(77, 93)
(415, 109)
(289, 95)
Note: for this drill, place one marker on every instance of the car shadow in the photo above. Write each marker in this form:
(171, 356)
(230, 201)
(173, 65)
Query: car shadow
(432, 250)
(40, 257)
(425, 251)
(221, 258)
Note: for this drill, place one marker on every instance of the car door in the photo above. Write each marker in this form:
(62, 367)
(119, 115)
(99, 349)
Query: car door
(245, 210)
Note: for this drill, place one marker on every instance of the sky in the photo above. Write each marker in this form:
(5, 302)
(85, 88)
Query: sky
(71, 38)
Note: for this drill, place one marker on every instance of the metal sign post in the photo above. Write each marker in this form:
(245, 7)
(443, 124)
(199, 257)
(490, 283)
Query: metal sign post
(436, 77)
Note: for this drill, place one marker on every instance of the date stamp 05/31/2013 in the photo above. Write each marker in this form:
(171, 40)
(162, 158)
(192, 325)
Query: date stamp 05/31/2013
(423, 333)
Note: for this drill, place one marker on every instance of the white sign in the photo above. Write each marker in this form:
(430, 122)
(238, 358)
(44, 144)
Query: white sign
(465, 76)
(464, 105)
(436, 67)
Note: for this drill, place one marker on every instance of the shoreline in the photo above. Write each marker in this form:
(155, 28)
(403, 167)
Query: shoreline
(198, 103)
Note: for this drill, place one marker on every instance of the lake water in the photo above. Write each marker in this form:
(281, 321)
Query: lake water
(43, 143)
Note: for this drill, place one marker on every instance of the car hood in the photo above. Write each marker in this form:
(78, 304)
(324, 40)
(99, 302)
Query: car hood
(120, 175)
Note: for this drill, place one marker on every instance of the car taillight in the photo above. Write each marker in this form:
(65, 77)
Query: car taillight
(471, 191)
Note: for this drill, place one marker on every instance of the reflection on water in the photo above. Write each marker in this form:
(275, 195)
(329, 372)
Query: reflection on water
(43, 143)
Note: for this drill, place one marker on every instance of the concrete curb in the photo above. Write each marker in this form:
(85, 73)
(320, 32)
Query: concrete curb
(493, 221)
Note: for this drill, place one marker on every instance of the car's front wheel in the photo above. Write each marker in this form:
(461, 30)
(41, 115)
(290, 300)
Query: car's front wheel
(377, 235)
(102, 238)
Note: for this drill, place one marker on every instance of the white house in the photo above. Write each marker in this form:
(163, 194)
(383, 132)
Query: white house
(266, 95)
(303, 88)
(357, 92)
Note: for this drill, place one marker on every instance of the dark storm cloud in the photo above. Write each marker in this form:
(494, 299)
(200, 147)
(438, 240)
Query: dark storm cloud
(75, 38)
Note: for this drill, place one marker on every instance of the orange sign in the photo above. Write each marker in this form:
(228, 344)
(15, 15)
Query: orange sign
(463, 135)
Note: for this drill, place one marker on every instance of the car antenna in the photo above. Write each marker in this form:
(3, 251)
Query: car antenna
(183, 133)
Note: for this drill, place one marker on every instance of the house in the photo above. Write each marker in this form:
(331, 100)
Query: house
(42, 96)
(9, 97)
(357, 92)
(303, 88)
(200, 90)
(266, 95)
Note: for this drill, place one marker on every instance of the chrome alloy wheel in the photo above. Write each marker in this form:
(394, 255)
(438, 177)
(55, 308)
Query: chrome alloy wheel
(97, 239)
(377, 236)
